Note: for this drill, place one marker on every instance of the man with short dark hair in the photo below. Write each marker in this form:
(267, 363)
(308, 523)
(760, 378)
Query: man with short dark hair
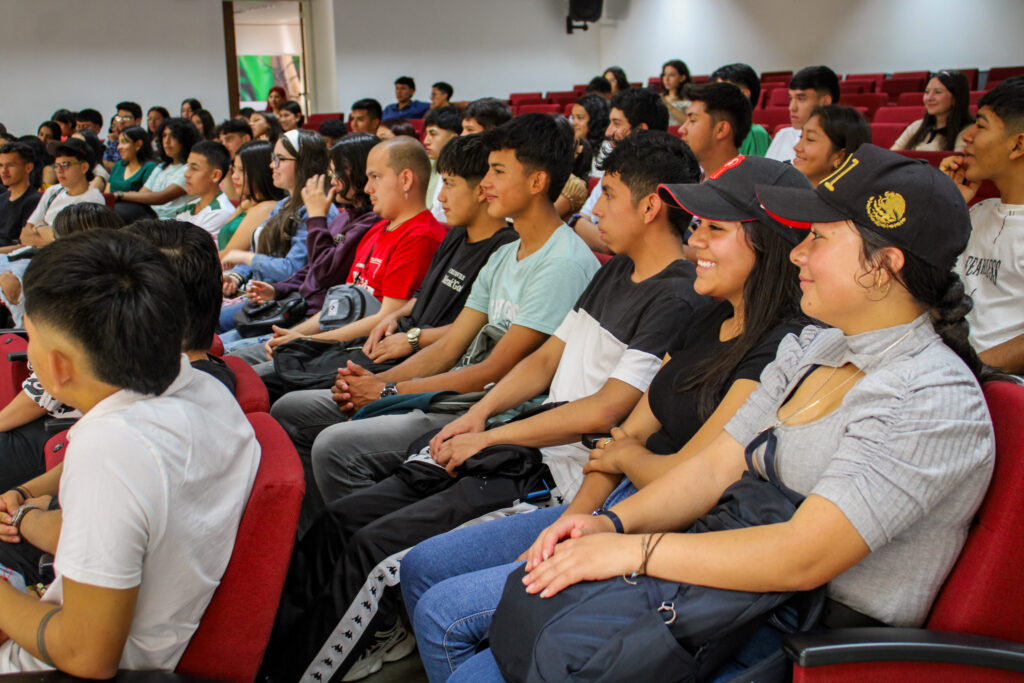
(19, 198)
(717, 122)
(484, 114)
(630, 109)
(810, 87)
(366, 116)
(128, 114)
(232, 133)
(331, 131)
(441, 95)
(991, 265)
(746, 79)
(440, 126)
(89, 119)
(405, 107)
(163, 446)
(600, 86)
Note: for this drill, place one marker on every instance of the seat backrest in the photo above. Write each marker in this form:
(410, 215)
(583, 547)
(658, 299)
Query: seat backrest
(250, 391)
(1000, 73)
(898, 114)
(516, 97)
(770, 117)
(885, 134)
(971, 74)
(894, 86)
(779, 97)
(233, 633)
(12, 372)
(983, 593)
(539, 109)
(872, 100)
(909, 99)
(55, 449)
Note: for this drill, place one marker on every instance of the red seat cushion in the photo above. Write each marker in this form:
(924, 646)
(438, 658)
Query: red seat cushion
(233, 633)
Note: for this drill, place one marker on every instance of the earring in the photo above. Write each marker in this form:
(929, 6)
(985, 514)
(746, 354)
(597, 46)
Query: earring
(407, 194)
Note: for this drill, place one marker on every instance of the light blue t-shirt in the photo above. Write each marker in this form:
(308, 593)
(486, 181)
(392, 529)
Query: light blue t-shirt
(159, 180)
(538, 291)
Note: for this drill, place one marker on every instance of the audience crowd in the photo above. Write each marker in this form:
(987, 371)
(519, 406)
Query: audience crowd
(513, 350)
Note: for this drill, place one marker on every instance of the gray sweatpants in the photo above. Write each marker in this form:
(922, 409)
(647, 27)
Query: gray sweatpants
(349, 455)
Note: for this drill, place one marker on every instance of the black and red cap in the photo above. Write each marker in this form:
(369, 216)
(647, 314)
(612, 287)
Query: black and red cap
(728, 193)
(908, 202)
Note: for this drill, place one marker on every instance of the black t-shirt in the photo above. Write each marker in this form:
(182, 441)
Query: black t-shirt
(14, 215)
(453, 269)
(677, 410)
(218, 369)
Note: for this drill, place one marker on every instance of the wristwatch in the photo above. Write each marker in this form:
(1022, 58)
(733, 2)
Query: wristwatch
(413, 336)
(390, 389)
(20, 513)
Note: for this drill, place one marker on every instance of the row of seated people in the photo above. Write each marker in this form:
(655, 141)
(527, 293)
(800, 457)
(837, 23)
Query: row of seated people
(610, 330)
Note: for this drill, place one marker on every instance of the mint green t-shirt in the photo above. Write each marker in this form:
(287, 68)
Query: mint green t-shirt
(538, 291)
(757, 142)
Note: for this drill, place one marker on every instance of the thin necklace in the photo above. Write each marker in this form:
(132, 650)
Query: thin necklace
(807, 406)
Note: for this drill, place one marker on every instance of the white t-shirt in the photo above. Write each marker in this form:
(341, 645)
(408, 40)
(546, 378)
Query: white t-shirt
(435, 207)
(159, 180)
(588, 208)
(992, 268)
(152, 492)
(781, 148)
(212, 218)
(56, 198)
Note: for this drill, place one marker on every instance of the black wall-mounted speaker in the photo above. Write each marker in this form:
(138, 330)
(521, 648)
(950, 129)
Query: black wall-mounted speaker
(585, 10)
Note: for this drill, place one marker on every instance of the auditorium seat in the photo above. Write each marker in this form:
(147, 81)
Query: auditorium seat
(673, 130)
(250, 391)
(233, 633)
(976, 96)
(1000, 73)
(851, 87)
(313, 121)
(579, 90)
(516, 97)
(972, 77)
(567, 109)
(894, 86)
(110, 198)
(699, 79)
(902, 115)
(654, 82)
(778, 97)
(776, 76)
(885, 134)
(417, 125)
(529, 100)
(873, 101)
(539, 109)
(911, 74)
(907, 99)
(770, 117)
(975, 631)
(13, 372)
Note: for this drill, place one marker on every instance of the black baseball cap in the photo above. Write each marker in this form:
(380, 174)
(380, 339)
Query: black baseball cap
(907, 201)
(73, 147)
(728, 193)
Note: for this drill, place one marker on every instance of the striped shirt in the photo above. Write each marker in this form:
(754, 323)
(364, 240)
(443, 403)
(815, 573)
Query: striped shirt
(907, 457)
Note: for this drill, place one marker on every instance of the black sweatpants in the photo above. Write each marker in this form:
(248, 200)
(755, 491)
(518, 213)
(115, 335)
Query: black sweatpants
(352, 553)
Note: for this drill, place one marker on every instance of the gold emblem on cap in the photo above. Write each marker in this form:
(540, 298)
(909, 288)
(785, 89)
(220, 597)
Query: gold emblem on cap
(888, 210)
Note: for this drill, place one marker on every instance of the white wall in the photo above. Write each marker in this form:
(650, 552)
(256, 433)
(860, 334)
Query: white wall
(95, 53)
(480, 47)
(859, 36)
(260, 39)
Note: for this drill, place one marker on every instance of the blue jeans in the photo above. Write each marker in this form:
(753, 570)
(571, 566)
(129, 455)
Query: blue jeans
(452, 583)
(227, 316)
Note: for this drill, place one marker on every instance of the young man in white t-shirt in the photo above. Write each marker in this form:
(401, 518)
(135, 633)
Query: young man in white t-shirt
(73, 162)
(207, 164)
(992, 265)
(810, 87)
(159, 466)
(440, 126)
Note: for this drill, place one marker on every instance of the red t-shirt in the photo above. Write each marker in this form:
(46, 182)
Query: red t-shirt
(392, 263)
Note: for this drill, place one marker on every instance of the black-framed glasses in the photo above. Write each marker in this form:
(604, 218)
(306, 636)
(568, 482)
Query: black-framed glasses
(275, 160)
(65, 165)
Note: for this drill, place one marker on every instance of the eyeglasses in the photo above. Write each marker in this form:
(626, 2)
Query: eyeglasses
(275, 160)
(124, 118)
(65, 165)
(331, 175)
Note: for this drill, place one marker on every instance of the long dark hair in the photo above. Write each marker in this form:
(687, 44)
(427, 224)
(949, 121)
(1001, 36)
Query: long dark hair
(140, 134)
(771, 296)
(209, 125)
(273, 123)
(182, 130)
(349, 156)
(844, 126)
(296, 109)
(959, 116)
(942, 292)
(621, 82)
(597, 109)
(276, 236)
(259, 181)
(684, 71)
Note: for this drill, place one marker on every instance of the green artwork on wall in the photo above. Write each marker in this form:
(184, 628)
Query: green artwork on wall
(258, 73)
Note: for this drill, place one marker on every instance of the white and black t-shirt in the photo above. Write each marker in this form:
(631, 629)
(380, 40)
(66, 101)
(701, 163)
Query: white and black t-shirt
(992, 268)
(618, 329)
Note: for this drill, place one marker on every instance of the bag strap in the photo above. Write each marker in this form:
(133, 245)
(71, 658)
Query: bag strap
(768, 438)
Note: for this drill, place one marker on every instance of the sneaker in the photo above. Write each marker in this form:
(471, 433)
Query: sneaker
(388, 646)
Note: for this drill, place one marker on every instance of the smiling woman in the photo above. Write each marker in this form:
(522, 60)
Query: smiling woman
(947, 116)
(831, 134)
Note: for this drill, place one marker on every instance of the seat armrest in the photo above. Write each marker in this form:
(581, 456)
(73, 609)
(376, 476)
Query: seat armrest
(858, 645)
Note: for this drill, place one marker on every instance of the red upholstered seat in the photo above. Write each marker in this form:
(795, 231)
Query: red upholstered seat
(516, 97)
(902, 115)
(770, 117)
(12, 372)
(910, 99)
(894, 86)
(313, 121)
(539, 109)
(250, 392)
(217, 347)
(885, 134)
(872, 100)
(983, 595)
(233, 633)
